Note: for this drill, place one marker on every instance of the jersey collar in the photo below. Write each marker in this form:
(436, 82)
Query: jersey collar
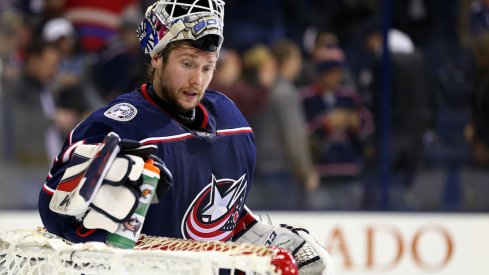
(201, 122)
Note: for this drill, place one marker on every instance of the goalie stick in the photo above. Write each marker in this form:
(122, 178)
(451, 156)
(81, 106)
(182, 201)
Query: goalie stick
(73, 196)
(100, 165)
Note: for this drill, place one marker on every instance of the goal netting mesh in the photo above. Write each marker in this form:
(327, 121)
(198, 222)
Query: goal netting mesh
(36, 251)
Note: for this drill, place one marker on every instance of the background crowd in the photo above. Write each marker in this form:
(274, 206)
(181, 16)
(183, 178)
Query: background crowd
(355, 105)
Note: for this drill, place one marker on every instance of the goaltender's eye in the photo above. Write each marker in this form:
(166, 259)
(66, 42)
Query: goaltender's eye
(208, 68)
(187, 64)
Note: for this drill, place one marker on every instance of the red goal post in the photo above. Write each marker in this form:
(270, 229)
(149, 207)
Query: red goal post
(36, 251)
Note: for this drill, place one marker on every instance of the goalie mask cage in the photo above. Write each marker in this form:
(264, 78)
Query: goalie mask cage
(36, 251)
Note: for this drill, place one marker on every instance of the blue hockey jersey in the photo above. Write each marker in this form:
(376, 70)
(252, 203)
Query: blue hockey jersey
(212, 166)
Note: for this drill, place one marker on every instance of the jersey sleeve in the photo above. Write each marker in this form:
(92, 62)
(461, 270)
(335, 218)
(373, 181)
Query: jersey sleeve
(90, 131)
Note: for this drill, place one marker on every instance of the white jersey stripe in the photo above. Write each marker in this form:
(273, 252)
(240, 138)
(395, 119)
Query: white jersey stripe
(188, 135)
(165, 139)
(235, 131)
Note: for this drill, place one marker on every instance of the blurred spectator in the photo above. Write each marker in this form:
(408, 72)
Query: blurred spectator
(96, 22)
(29, 106)
(28, 109)
(15, 35)
(417, 19)
(6, 4)
(53, 9)
(283, 164)
(339, 125)
(11, 26)
(339, 17)
(40, 14)
(121, 66)
(254, 96)
(60, 32)
(326, 46)
(72, 106)
(252, 91)
(479, 17)
(228, 70)
(411, 108)
(251, 22)
(477, 132)
(74, 65)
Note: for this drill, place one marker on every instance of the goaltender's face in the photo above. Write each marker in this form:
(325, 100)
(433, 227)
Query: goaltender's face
(181, 81)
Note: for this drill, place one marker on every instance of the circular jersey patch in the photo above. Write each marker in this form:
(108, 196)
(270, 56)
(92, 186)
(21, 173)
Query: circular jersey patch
(121, 112)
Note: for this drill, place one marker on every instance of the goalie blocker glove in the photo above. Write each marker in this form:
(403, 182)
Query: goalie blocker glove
(309, 255)
(118, 167)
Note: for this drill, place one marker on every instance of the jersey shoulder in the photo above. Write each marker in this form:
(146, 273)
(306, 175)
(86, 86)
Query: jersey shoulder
(130, 115)
(224, 110)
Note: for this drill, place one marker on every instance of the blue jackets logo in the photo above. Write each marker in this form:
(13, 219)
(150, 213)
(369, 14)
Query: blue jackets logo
(213, 214)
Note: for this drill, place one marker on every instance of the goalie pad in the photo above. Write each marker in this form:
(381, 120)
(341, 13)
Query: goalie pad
(310, 257)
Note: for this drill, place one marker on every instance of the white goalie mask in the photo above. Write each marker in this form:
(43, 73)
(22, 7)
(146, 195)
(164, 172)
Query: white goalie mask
(200, 21)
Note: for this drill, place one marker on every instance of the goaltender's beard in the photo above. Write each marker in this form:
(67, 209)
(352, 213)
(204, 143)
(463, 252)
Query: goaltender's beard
(181, 100)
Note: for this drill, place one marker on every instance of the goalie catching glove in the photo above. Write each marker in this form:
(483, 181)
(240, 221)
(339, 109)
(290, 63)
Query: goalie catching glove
(101, 185)
(310, 257)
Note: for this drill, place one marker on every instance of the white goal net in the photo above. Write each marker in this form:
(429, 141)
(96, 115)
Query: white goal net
(35, 251)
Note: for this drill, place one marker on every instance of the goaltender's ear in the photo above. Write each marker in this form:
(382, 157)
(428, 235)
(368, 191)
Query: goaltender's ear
(154, 60)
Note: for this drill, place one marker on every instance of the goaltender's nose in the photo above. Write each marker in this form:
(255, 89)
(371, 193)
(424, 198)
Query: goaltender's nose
(196, 78)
